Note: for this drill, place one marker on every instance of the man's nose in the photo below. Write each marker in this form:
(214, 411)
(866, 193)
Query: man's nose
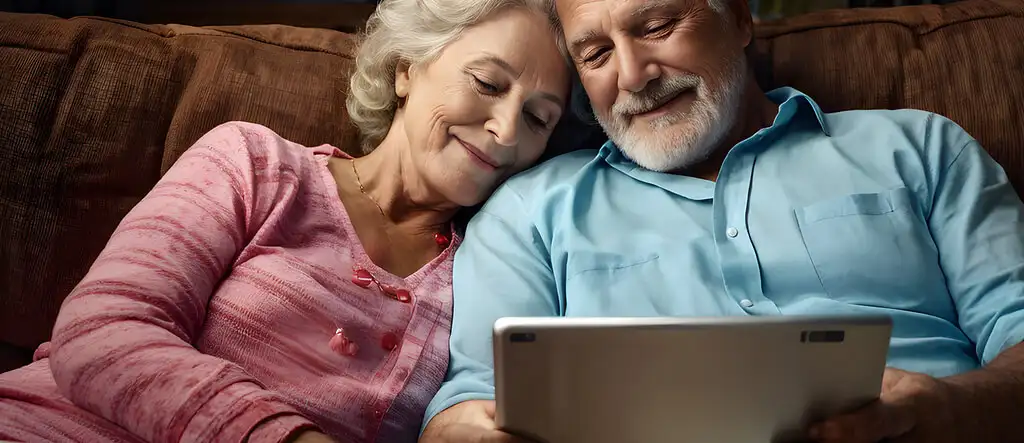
(636, 69)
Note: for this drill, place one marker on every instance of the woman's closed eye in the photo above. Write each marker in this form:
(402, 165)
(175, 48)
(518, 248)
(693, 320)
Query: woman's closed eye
(485, 86)
(536, 121)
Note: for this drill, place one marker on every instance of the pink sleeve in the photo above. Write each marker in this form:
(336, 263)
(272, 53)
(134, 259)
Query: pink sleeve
(122, 342)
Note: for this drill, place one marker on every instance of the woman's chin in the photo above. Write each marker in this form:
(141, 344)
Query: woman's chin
(466, 186)
(471, 193)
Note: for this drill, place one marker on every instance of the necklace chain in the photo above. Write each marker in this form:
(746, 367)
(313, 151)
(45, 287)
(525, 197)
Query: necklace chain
(359, 182)
(440, 238)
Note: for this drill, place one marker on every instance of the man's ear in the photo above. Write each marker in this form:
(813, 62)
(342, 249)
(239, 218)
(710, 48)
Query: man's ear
(402, 80)
(739, 12)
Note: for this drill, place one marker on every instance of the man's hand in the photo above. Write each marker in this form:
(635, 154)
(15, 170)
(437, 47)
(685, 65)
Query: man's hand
(911, 408)
(467, 422)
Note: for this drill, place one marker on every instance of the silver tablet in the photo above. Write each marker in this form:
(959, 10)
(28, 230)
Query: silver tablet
(701, 380)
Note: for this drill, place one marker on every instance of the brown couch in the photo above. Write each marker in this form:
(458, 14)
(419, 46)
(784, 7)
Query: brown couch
(92, 111)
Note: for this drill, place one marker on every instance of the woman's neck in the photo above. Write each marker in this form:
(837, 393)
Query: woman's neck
(388, 178)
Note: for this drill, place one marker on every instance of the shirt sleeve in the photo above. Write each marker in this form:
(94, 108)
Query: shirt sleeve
(977, 222)
(502, 269)
(122, 343)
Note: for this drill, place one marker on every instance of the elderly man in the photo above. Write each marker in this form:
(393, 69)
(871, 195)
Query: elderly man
(714, 198)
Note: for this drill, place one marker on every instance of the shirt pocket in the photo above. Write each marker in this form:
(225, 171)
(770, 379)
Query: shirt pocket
(602, 283)
(873, 249)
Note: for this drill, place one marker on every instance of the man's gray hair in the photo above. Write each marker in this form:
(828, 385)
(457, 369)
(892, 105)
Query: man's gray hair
(413, 32)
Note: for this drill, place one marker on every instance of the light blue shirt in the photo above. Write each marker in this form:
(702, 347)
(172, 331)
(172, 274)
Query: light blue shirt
(859, 212)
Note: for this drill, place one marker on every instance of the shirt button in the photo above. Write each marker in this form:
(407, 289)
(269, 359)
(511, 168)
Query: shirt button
(389, 341)
(746, 303)
(341, 344)
(732, 232)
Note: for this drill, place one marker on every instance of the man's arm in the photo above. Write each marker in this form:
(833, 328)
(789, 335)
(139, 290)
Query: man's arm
(987, 403)
(502, 269)
(977, 223)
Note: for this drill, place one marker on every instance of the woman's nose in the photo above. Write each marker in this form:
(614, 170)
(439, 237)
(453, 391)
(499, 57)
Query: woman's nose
(504, 125)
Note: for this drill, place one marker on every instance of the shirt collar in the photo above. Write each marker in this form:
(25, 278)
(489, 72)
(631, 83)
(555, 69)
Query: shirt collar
(793, 105)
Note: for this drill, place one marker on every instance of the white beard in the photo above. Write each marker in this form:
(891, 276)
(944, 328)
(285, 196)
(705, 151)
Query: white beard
(681, 139)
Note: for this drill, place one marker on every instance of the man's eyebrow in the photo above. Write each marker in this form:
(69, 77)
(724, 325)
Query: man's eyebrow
(583, 40)
(646, 7)
(641, 10)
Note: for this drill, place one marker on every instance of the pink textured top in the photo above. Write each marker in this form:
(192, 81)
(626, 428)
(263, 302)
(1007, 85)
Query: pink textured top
(208, 315)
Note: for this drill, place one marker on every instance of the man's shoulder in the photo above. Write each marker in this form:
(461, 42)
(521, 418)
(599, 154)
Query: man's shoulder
(559, 171)
(924, 129)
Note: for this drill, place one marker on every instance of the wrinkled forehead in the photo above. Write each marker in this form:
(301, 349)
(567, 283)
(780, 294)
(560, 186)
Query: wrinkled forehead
(572, 12)
(581, 19)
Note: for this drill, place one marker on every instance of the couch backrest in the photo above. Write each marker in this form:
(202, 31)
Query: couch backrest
(93, 111)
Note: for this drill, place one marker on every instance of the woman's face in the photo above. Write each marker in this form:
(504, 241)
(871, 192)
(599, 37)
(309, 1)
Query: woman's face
(485, 107)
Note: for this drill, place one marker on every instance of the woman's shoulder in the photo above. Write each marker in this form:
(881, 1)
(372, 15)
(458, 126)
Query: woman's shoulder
(262, 147)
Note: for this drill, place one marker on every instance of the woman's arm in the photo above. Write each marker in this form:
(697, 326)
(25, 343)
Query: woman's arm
(122, 344)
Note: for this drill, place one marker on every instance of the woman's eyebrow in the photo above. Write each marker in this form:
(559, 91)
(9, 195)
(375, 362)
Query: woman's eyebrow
(499, 62)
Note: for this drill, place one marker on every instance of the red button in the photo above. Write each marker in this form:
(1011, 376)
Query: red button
(389, 341)
(362, 277)
(341, 344)
(403, 296)
(441, 240)
(403, 374)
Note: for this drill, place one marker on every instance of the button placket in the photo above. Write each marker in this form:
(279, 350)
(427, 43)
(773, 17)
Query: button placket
(363, 279)
(739, 260)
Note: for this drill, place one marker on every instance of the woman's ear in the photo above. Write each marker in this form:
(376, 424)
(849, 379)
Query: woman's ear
(402, 80)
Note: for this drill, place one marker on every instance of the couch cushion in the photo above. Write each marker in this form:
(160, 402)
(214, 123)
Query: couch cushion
(93, 111)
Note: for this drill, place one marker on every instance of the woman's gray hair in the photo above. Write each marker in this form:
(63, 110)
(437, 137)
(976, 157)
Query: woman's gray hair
(413, 32)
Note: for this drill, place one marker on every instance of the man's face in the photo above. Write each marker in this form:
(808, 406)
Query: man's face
(664, 77)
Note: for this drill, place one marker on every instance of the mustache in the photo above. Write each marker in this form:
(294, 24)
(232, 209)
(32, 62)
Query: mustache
(655, 94)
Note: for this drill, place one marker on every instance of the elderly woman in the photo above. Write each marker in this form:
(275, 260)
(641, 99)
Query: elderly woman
(266, 291)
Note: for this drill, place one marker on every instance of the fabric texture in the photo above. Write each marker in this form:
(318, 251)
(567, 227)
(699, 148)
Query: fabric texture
(894, 212)
(209, 315)
(93, 111)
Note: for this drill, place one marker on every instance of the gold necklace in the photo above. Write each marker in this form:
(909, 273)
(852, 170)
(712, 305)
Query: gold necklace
(363, 190)
(440, 239)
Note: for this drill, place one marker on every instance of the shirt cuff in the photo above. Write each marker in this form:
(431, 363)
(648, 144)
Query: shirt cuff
(436, 408)
(279, 429)
(235, 413)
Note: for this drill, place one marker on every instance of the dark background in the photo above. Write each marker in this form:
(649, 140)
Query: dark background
(343, 15)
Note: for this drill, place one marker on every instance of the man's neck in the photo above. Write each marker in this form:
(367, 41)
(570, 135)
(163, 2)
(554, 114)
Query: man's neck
(756, 112)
